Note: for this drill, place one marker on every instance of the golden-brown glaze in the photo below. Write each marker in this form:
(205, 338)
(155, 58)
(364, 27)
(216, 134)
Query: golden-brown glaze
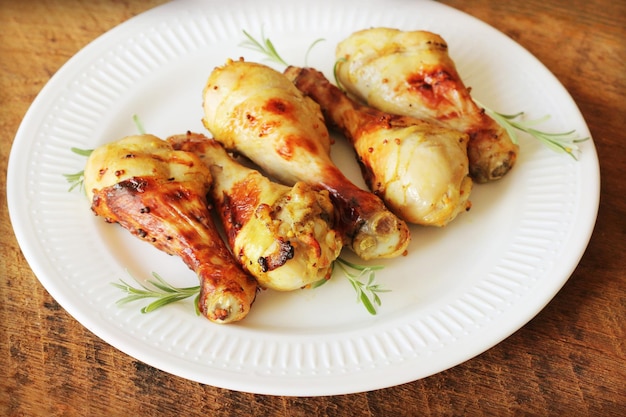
(418, 168)
(411, 73)
(257, 112)
(282, 235)
(159, 195)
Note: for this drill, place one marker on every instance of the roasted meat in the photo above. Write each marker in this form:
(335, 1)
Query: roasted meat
(159, 195)
(256, 111)
(418, 168)
(412, 74)
(282, 235)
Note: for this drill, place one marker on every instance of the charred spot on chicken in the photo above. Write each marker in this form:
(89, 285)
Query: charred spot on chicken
(283, 235)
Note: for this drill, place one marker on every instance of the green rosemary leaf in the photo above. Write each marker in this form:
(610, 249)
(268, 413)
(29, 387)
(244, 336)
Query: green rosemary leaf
(368, 304)
(129, 299)
(75, 180)
(377, 299)
(366, 292)
(357, 289)
(160, 290)
(359, 267)
(81, 152)
(265, 47)
(319, 283)
(306, 56)
(163, 301)
(566, 142)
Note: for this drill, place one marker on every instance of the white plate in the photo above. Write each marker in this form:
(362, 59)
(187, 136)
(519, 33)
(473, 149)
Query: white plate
(461, 289)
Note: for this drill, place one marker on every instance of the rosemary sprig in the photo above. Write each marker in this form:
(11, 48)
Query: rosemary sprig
(163, 293)
(82, 152)
(76, 179)
(366, 291)
(265, 46)
(560, 142)
(308, 51)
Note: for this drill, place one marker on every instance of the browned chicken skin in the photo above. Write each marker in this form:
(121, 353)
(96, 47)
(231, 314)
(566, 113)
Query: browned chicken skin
(418, 168)
(411, 73)
(159, 196)
(282, 235)
(256, 111)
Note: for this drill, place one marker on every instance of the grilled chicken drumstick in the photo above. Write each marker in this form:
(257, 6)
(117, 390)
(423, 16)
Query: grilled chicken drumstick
(256, 111)
(282, 235)
(159, 195)
(418, 168)
(411, 73)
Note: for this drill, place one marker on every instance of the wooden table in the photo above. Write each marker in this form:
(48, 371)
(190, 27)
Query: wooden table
(569, 360)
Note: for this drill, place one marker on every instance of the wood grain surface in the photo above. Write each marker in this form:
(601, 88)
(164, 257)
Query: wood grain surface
(569, 360)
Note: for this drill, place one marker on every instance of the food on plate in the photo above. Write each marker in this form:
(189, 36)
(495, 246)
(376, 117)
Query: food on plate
(282, 235)
(410, 73)
(256, 111)
(420, 169)
(159, 195)
(419, 136)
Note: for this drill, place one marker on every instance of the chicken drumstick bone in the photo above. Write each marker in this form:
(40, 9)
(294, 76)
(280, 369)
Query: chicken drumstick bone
(411, 73)
(256, 111)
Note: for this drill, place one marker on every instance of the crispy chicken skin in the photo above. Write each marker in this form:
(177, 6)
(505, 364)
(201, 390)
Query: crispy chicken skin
(411, 73)
(256, 111)
(159, 195)
(282, 235)
(418, 168)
